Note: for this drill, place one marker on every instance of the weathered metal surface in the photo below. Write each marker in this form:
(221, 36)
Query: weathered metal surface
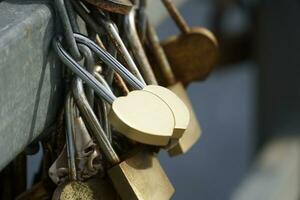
(30, 77)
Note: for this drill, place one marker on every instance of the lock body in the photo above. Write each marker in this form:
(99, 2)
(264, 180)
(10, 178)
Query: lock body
(135, 114)
(192, 55)
(141, 177)
(193, 131)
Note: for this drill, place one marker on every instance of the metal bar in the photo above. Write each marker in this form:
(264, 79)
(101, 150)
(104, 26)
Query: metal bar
(30, 77)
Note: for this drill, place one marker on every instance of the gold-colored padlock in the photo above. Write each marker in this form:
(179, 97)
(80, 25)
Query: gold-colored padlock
(135, 115)
(141, 177)
(194, 53)
(193, 131)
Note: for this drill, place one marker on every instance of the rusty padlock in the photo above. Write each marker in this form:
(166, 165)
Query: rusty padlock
(192, 54)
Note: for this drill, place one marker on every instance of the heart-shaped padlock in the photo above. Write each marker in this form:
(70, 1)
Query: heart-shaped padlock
(143, 117)
(179, 109)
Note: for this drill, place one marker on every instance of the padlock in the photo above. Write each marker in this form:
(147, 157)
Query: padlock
(141, 177)
(143, 132)
(194, 53)
(131, 177)
(122, 118)
(193, 131)
(179, 109)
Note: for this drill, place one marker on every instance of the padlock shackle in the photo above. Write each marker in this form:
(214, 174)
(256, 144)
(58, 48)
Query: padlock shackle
(70, 143)
(113, 34)
(110, 61)
(110, 27)
(91, 119)
(137, 48)
(176, 16)
(81, 72)
(160, 56)
(89, 63)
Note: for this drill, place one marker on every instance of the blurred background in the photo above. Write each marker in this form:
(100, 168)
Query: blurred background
(250, 100)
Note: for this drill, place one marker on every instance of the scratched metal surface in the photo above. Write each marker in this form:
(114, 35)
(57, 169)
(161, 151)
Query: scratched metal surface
(30, 78)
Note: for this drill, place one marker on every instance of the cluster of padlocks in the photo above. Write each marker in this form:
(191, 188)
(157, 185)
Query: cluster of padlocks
(125, 98)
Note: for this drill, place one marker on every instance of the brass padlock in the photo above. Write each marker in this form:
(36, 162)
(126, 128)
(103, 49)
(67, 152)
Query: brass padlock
(194, 53)
(193, 131)
(134, 115)
(180, 110)
(134, 173)
(141, 177)
(147, 127)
